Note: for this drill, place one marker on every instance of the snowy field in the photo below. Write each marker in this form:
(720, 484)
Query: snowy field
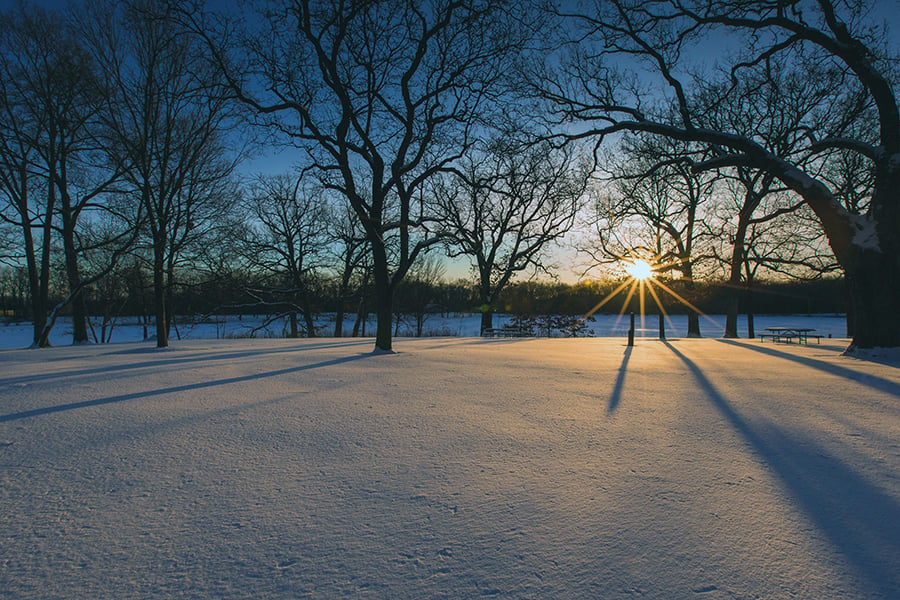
(454, 468)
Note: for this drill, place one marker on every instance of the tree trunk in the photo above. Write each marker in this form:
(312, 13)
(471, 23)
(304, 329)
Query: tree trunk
(731, 317)
(693, 330)
(751, 329)
(487, 318)
(693, 325)
(873, 281)
(384, 296)
(73, 276)
(159, 298)
(42, 334)
(383, 315)
(38, 302)
(737, 263)
(307, 314)
(868, 249)
(339, 321)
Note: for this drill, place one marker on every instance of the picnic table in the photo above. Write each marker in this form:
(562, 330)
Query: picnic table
(789, 334)
(507, 331)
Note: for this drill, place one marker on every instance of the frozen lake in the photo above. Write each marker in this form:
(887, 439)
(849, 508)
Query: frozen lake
(18, 335)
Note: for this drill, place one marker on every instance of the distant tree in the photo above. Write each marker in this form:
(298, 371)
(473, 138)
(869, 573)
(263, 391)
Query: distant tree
(505, 207)
(29, 203)
(653, 201)
(288, 238)
(761, 225)
(350, 258)
(383, 95)
(418, 293)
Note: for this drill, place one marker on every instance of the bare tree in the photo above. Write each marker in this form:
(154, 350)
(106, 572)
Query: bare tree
(288, 238)
(506, 207)
(383, 95)
(349, 249)
(847, 69)
(417, 295)
(51, 96)
(654, 201)
(29, 201)
(166, 115)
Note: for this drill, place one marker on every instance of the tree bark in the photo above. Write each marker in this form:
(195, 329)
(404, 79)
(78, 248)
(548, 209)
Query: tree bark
(693, 325)
(159, 297)
(383, 315)
(384, 296)
(73, 277)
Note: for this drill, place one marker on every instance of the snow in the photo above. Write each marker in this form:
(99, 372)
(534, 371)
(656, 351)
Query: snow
(454, 468)
(866, 236)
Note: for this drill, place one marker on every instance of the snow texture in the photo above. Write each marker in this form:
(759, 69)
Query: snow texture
(454, 468)
(866, 235)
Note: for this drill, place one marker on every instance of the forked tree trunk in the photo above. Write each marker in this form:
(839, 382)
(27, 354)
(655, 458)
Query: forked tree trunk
(73, 275)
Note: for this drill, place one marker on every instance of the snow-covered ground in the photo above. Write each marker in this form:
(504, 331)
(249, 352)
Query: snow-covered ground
(455, 468)
(19, 334)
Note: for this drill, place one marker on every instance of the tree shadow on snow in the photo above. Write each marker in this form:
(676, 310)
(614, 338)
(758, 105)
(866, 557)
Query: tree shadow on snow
(859, 519)
(176, 389)
(873, 381)
(172, 356)
(616, 395)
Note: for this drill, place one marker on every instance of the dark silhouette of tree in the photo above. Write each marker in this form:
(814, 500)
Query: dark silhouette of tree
(505, 207)
(349, 250)
(287, 238)
(382, 96)
(51, 96)
(656, 202)
(166, 114)
(418, 294)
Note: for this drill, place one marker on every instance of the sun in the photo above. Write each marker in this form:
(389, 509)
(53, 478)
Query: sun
(639, 269)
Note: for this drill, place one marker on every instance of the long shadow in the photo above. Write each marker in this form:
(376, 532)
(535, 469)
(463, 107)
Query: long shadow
(861, 521)
(873, 381)
(175, 389)
(616, 396)
(163, 357)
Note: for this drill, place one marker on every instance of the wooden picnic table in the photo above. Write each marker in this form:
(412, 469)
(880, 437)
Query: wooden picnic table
(788, 334)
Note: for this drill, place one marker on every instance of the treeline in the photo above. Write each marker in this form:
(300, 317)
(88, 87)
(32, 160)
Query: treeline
(236, 293)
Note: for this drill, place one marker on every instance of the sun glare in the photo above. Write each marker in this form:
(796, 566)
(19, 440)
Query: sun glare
(639, 269)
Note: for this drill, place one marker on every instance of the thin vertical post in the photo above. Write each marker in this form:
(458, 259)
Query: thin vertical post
(662, 326)
(631, 331)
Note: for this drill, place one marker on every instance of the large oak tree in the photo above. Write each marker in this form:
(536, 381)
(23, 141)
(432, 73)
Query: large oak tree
(380, 95)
